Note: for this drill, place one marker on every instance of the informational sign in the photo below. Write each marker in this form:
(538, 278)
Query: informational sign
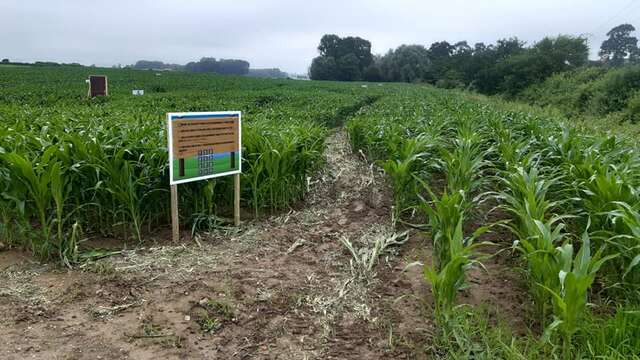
(98, 86)
(203, 145)
(137, 92)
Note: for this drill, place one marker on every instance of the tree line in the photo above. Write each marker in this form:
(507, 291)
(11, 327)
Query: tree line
(211, 65)
(506, 67)
(204, 65)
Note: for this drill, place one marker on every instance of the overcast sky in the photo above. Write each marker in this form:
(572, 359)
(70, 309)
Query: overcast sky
(284, 33)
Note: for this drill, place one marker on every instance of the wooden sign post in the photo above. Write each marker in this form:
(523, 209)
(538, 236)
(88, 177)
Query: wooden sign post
(203, 145)
(175, 220)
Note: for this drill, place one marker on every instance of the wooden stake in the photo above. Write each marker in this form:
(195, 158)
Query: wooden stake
(175, 221)
(236, 199)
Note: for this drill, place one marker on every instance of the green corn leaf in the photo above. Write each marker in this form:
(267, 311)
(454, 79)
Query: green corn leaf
(632, 264)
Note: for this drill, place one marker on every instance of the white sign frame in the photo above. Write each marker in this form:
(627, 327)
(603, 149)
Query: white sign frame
(204, 113)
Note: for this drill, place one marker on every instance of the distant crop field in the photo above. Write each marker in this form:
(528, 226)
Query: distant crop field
(110, 154)
(507, 212)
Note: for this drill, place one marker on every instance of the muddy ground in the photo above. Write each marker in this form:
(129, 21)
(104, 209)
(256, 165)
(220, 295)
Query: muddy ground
(285, 287)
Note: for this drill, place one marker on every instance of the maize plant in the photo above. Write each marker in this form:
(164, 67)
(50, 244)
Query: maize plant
(464, 166)
(453, 253)
(448, 278)
(46, 188)
(627, 245)
(402, 171)
(538, 232)
(576, 275)
(526, 198)
(538, 249)
(445, 215)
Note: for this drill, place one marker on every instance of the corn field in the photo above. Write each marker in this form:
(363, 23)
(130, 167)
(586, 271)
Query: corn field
(459, 167)
(71, 165)
(557, 187)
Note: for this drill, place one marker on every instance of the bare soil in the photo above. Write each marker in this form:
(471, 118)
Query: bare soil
(284, 287)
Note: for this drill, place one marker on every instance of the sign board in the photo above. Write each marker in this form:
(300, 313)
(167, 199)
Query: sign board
(203, 145)
(98, 86)
(137, 92)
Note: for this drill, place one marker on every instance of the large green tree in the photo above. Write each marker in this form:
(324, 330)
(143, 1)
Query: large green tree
(408, 63)
(545, 58)
(323, 68)
(345, 59)
(620, 46)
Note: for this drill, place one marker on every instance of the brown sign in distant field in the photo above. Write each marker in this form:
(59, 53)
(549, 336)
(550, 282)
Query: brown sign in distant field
(98, 86)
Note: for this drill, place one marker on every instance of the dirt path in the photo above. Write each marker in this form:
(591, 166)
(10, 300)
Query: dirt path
(281, 288)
